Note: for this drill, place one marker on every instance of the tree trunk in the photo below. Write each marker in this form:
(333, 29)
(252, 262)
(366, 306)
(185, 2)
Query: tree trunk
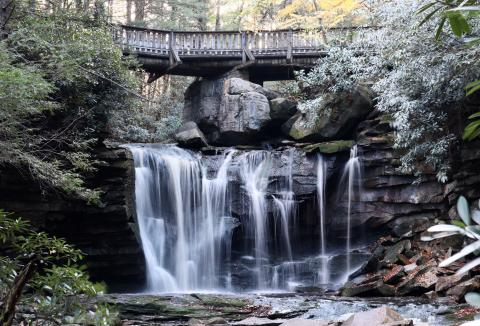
(15, 292)
(129, 11)
(139, 11)
(217, 15)
(6, 11)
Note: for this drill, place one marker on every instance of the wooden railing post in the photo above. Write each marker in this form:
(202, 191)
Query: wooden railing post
(174, 58)
(289, 46)
(244, 46)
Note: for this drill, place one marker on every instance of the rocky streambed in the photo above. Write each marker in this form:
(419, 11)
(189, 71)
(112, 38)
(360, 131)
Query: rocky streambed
(283, 309)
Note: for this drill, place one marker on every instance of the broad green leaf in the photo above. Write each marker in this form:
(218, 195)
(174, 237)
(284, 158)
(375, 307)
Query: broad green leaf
(472, 90)
(475, 115)
(438, 235)
(468, 266)
(476, 216)
(458, 223)
(473, 299)
(462, 253)
(473, 135)
(440, 28)
(471, 130)
(429, 16)
(458, 23)
(445, 228)
(426, 7)
(463, 210)
(465, 8)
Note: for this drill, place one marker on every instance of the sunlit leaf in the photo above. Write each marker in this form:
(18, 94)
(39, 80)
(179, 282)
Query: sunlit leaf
(464, 252)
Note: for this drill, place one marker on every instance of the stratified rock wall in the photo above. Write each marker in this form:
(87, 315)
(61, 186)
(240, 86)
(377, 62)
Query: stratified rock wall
(106, 234)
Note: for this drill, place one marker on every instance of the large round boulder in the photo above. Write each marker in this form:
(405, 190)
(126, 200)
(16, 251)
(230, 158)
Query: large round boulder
(335, 116)
(233, 111)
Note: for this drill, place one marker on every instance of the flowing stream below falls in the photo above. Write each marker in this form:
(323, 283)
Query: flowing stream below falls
(242, 220)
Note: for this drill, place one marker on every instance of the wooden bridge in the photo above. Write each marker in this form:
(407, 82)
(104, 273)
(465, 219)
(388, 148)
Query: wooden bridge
(260, 55)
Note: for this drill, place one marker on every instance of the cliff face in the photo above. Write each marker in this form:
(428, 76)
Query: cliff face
(387, 202)
(106, 234)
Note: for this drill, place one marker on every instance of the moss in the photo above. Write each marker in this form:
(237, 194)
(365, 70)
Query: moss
(330, 147)
(222, 301)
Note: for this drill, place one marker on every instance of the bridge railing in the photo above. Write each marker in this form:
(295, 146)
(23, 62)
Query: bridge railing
(228, 44)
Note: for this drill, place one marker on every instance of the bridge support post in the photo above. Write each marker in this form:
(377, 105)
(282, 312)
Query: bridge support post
(246, 53)
(290, 46)
(174, 58)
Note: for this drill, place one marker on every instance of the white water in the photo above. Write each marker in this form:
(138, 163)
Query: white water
(352, 171)
(255, 170)
(170, 187)
(186, 226)
(321, 184)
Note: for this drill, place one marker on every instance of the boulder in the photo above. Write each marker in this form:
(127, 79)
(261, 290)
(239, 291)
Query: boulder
(375, 317)
(282, 108)
(242, 117)
(370, 287)
(306, 322)
(391, 254)
(459, 290)
(190, 136)
(256, 321)
(446, 282)
(335, 116)
(420, 280)
(216, 321)
(238, 86)
(232, 111)
(394, 275)
(330, 147)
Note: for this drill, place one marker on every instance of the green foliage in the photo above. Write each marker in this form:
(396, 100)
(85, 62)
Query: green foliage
(459, 14)
(67, 280)
(54, 289)
(464, 228)
(61, 76)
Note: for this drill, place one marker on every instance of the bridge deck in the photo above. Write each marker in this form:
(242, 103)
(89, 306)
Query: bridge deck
(267, 55)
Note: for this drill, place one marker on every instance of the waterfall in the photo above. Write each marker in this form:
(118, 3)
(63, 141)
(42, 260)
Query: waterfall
(181, 217)
(321, 184)
(352, 170)
(189, 206)
(255, 171)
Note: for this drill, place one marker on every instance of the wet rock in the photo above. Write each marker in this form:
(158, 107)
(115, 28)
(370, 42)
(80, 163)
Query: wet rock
(330, 147)
(374, 287)
(282, 108)
(392, 253)
(190, 136)
(446, 282)
(432, 295)
(241, 117)
(375, 317)
(238, 86)
(420, 280)
(216, 321)
(229, 111)
(306, 322)
(394, 275)
(337, 114)
(256, 321)
(459, 290)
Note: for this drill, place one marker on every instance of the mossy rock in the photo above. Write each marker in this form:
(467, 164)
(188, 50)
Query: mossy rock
(330, 147)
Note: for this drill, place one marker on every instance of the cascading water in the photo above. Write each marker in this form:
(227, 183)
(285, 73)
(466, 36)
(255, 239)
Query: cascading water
(254, 171)
(170, 187)
(352, 171)
(321, 184)
(189, 205)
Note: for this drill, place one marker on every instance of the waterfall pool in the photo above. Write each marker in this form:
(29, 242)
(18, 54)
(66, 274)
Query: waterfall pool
(179, 309)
